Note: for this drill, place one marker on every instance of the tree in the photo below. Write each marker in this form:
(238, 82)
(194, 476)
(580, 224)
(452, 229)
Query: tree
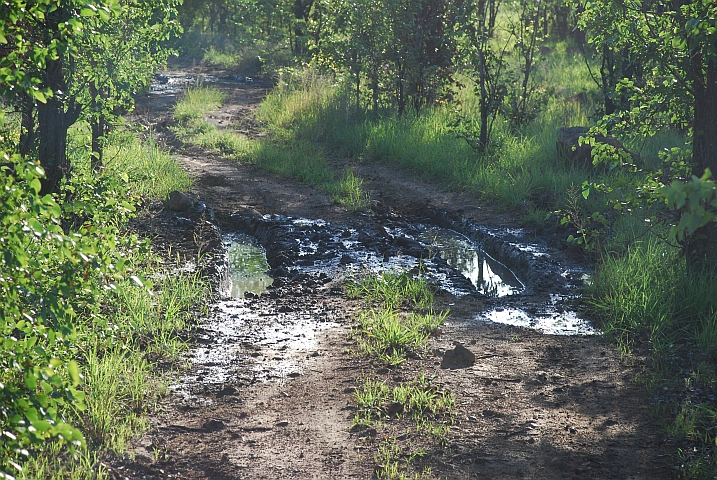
(403, 49)
(676, 42)
(67, 57)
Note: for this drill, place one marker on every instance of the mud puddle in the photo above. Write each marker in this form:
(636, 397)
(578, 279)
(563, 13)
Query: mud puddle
(279, 267)
(247, 266)
(488, 275)
(251, 335)
(517, 282)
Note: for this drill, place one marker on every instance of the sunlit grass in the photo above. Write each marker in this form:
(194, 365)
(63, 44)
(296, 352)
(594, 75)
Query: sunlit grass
(197, 102)
(394, 290)
(392, 336)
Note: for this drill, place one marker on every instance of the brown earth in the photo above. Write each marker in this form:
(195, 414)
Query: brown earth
(533, 406)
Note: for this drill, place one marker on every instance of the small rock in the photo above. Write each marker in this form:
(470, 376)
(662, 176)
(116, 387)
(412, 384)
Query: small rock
(581, 155)
(459, 357)
(213, 425)
(178, 201)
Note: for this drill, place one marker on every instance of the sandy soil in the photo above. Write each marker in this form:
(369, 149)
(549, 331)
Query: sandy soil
(533, 406)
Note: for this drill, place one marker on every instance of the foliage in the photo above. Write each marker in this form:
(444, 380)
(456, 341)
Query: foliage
(42, 267)
(69, 282)
(403, 49)
(677, 87)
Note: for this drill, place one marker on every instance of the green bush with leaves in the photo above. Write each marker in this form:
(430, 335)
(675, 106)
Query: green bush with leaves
(58, 261)
(40, 269)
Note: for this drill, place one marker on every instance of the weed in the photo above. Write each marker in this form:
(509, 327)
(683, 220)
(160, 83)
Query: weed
(392, 336)
(350, 193)
(197, 102)
(394, 290)
(418, 398)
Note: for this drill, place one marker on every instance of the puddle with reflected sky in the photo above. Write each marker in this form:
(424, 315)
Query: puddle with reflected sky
(247, 266)
(489, 276)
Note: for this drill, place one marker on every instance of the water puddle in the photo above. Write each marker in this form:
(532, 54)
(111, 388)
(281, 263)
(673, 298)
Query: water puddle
(247, 266)
(550, 323)
(489, 276)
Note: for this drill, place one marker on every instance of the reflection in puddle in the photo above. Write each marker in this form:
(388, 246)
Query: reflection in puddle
(489, 276)
(247, 267)
(551, 323)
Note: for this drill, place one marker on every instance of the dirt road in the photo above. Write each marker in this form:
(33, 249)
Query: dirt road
(270, 391)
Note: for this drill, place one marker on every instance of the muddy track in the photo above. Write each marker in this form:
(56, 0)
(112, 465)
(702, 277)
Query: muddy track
(269, 393)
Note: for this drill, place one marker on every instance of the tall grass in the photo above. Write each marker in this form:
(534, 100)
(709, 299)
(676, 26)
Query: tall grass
(197, 102)
(645, 296)
(307, 107)
(648, 290)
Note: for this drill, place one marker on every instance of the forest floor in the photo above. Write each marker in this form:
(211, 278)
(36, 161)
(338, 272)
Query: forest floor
(533, 406)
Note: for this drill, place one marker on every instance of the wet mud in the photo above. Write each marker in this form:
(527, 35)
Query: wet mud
(268, 393)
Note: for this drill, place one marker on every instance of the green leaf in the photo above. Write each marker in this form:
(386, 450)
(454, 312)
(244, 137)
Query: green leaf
(39, 96)
(74, 370)
(88, 11)
(30, 381)
(42, 426)
(35, 185)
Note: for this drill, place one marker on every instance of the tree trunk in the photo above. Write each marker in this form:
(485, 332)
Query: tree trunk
(607, 71)
(701, 250)
(484, 103)
(53, 122)
(27, 126)
(99, 128)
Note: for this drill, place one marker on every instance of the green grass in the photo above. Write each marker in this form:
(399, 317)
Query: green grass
(519, 170)
(216, 57)
(349, 192)
(392, 336)
(644, 297)
(387, 332)
(419, 399)
(227, 143)
(425, 411)
(394, 290)
(197, 102)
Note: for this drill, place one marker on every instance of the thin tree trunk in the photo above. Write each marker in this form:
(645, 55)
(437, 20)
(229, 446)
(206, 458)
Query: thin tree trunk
(54, 119)
(99, 128)
(701, 250)
(27, 126)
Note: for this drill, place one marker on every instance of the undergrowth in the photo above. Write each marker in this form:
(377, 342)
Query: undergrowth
(83, 326)
(647, 302)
